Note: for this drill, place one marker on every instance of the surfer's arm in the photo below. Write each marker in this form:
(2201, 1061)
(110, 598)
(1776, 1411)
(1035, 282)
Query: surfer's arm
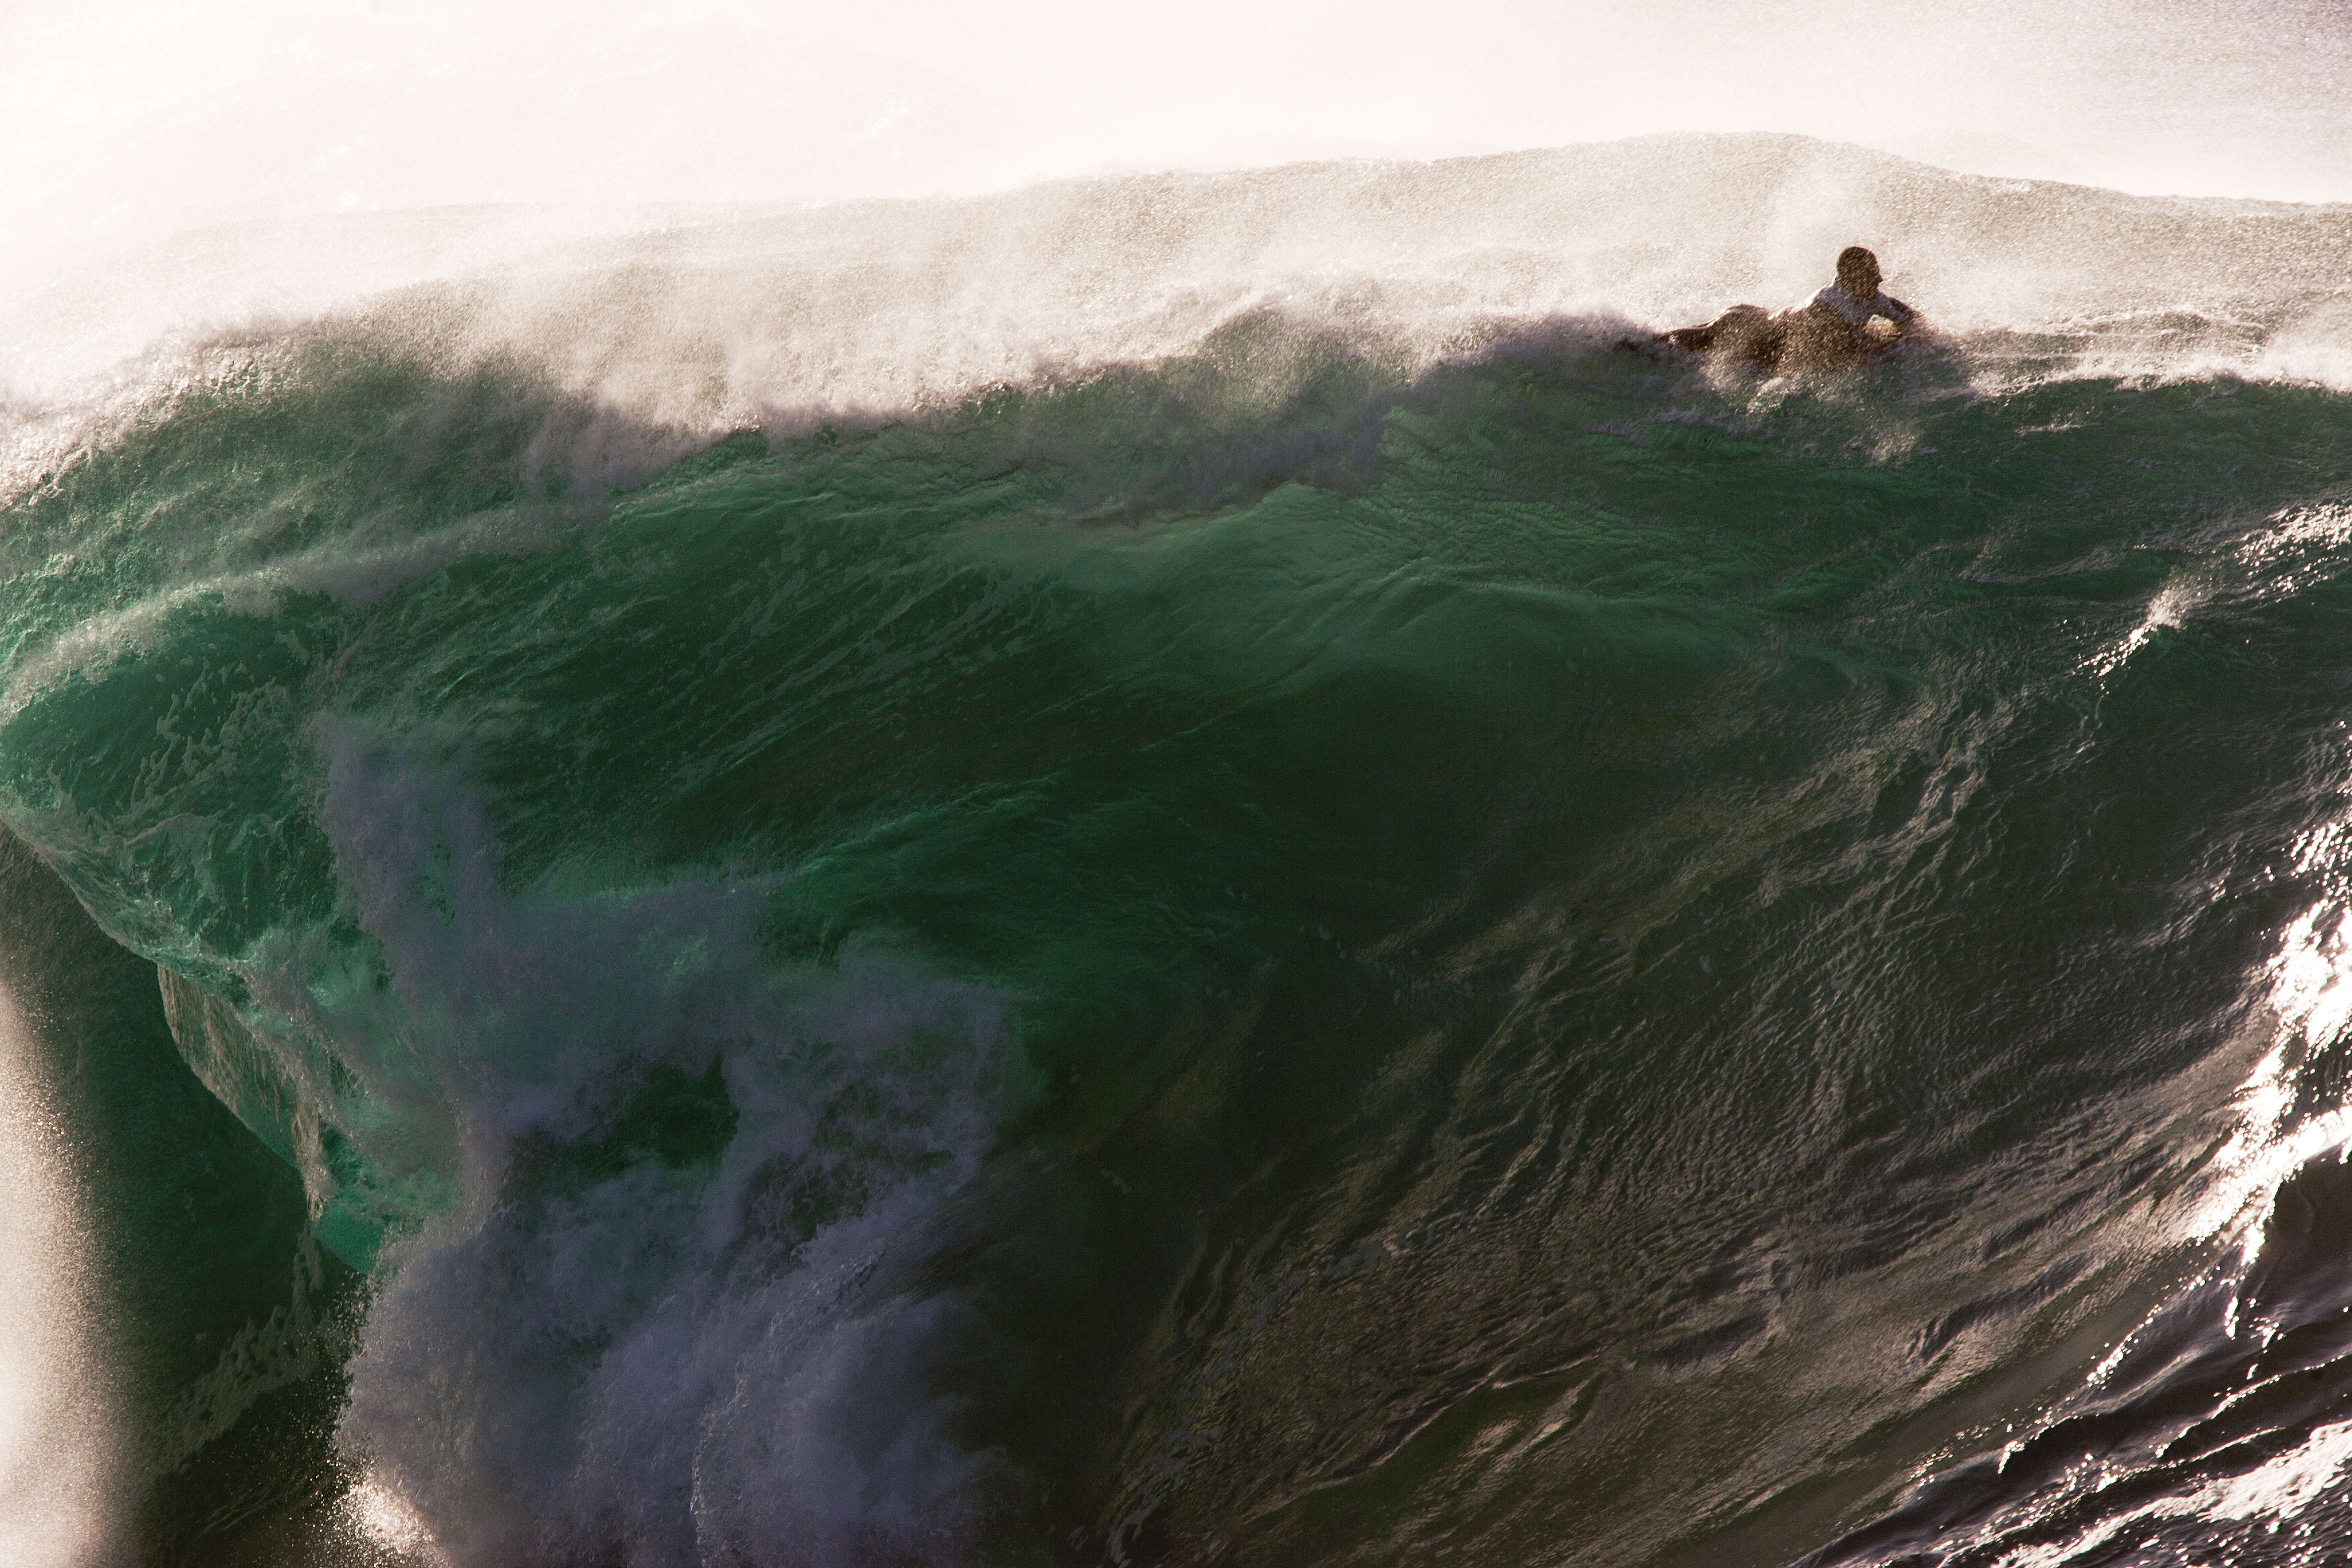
(1904, 317)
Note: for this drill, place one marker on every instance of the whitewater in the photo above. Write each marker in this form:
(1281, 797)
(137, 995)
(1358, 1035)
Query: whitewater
(1185, 869)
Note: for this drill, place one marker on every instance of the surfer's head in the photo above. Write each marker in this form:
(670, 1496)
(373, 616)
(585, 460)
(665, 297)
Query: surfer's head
(1857, 271)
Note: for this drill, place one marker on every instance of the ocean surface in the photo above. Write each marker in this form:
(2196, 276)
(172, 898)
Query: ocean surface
(1169, 871)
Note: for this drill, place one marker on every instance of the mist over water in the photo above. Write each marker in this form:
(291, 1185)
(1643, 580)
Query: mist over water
(55, 1501)
(712, 321)
(1169, 857)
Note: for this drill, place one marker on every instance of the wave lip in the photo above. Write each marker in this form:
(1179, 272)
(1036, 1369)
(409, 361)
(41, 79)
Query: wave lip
(866, 309)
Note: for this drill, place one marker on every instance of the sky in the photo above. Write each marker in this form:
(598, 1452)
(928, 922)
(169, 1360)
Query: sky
(129, 119)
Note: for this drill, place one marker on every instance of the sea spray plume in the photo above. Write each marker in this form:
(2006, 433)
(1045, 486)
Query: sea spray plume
(61, 1500)
(867, 309)
(651, 1312)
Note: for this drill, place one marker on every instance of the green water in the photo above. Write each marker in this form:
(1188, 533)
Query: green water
(1254, 960)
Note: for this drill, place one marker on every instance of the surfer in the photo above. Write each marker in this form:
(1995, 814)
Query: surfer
(1834, 328)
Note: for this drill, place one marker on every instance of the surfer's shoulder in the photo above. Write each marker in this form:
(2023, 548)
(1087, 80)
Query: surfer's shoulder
(1835, 297)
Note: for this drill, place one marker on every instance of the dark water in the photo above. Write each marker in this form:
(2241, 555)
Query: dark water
(1256, 959)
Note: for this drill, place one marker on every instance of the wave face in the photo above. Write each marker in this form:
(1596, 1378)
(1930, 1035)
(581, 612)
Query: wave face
(1378, 936)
